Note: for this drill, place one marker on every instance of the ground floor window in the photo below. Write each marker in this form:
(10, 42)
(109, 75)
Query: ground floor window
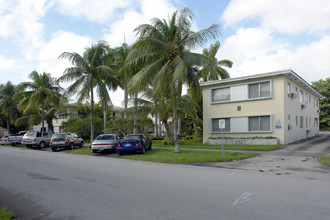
(246, 124)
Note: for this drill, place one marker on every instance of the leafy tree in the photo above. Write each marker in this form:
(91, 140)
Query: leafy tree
(323, 87)
(82, 126)
(7, 103)
(164, 49)
(88, 72)
(40, 96)
(214, 72)
(121, 126)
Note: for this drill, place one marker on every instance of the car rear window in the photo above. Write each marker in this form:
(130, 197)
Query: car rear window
(30, 134)
(105, 137)
(58, 136)
(139, 137)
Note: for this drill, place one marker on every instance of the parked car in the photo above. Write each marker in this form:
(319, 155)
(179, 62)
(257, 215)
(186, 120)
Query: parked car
(105, 142)
(65, 140)
(134, 143)
(36, 138)
(13, 139)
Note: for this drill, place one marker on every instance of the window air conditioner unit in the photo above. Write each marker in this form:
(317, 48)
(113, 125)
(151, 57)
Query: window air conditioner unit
(303, 106)
(292, 95)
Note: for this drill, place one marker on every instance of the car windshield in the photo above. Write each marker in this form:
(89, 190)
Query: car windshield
(139, 137)
(58, 136)
(105, 137)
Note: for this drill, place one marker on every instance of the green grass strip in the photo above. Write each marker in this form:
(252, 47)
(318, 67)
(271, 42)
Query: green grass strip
(194, 145)
(5, 214)
(187, 156)
(324, 160)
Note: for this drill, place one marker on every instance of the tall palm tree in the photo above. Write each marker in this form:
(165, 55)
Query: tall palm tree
(164, 48)
(6, 101)
(89, 71)
(37, 95)
(214, 72)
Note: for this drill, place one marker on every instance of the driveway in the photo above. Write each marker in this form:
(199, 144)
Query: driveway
(296, 159)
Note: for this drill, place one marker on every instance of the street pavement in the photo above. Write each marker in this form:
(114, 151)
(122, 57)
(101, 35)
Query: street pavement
(284, 184)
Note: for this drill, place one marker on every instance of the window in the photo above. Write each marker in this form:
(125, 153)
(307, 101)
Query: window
(215, 124)
(259, 123)
(288, 88)
(297, 120)
(310, 98)
(301, 122)
(301, 97)
(296, 91)
(289, 122)
(220, 95)
(259, 90)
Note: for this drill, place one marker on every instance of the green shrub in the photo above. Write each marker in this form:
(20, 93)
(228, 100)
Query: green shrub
(165, 142)
(181, 142)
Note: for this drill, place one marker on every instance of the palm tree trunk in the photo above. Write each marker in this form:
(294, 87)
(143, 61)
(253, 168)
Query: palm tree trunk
(125, 100)
(8, 127)
(92, 113)
(105, 113)
(168, 131)
(156, 126)
(175, 131)
(42, 114)
(135, 114)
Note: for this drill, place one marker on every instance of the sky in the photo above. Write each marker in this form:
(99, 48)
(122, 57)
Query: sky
(258, 36)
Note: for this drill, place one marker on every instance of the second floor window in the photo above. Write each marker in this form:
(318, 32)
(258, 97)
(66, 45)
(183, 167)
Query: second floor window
(259, 90)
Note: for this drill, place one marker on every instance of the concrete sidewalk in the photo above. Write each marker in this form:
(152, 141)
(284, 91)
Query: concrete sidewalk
(296, 159)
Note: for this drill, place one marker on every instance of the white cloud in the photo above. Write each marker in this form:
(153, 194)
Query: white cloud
(19, 20)
(285, 16)
(309, 61)
(60, 42)
(97, 11)
(134, 17)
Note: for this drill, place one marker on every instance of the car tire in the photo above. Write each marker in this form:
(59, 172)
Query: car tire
(54, 149)
(94, 151)
(71, 146)
(42, 144)
(143, 150)
(13, 144)
(81, 144)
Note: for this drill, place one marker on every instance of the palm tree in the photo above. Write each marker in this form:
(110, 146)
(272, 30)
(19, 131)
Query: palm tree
(214, 72)
(88, 72)
(39, 94)
(164, 48)
(6, 101)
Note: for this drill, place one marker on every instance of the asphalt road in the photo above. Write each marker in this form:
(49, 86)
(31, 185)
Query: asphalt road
(47, 185)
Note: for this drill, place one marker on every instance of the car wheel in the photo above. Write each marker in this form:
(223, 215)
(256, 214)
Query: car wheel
(143, 150)
(81, 144)
(54, 149)
(13, 144)
(28, 145)
(94, 151)
(71, 146)
(42, 144)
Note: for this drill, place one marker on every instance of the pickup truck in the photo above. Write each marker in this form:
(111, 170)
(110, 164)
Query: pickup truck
(13, 139)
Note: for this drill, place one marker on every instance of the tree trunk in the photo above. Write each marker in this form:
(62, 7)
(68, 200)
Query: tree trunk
(8, 127)
(125, 99)
(92, 113)
(175, 131)
(135, 114)
(105, 113)
(156, 126)
(168, 131)
(42, 114)
(179, 127)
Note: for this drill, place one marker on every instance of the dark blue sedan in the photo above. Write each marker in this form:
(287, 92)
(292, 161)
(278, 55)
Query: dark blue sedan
(134, 143)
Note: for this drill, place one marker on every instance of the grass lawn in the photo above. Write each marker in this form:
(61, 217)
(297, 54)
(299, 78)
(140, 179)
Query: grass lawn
(187, 156)
(5, 214)
(168, 155)
(194, 144)
(324, 160)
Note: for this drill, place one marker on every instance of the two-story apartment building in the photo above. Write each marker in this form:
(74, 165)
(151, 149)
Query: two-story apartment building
(279, 104)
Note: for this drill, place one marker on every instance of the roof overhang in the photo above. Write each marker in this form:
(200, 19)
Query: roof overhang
(288, 73)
